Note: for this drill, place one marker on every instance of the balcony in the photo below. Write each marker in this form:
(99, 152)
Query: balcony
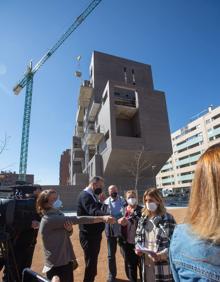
(80, 114)
(78, 155)
(186, 177)
(214, 132)
(167, 166)
(168, 180)
(79, 129)
(190, 142)
(92, 137)
(125, 108)
(85, 94)
(188, 160)
(93, 110)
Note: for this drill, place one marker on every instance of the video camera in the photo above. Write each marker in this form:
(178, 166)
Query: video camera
(17, 237)
(17, 203)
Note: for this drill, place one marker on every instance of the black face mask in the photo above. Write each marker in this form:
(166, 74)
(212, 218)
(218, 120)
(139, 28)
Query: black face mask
(114, 194)
(98, 191)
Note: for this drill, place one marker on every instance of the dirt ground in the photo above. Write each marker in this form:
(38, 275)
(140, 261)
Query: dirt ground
(102, 262)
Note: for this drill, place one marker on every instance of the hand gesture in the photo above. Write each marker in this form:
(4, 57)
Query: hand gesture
(138, 253)
(109, 219)
(35, 224)
(155, 257)
(68, 226)
(102, 197)
(123, 221)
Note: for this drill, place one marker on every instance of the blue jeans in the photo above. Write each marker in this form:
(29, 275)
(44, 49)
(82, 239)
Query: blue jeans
(112, 248)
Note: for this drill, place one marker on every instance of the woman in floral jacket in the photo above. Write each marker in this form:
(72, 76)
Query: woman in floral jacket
(152, 240)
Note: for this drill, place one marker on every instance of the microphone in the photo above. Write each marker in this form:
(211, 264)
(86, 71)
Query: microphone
(157, 223)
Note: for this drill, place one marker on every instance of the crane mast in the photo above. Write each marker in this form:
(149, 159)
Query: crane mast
(27, 81)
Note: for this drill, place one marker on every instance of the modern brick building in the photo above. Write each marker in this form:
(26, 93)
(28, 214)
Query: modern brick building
(121, 124)
(188, 144)
(64, 168)
(9, 178)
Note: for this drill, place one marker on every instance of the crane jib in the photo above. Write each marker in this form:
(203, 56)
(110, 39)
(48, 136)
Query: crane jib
(27, 81)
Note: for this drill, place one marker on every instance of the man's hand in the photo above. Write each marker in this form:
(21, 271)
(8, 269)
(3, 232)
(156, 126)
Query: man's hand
(55, 279)
(102, 197)
(123, 221)
(68, 226)
(138, 253)
(35, 224)
(109, 219)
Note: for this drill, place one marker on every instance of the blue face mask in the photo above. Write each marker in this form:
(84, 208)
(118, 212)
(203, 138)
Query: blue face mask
(57, 204)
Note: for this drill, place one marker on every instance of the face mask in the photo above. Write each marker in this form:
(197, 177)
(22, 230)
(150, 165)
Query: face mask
(98, 191)
(151, 206)
(114, 194)
(132, 201)
(57, 204)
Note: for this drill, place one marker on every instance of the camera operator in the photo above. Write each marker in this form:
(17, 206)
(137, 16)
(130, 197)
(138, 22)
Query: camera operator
(24, 232)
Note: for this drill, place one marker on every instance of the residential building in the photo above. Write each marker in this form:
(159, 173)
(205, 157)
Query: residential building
(188, 144)
(8, 178)
(122, 130)
(64, 168)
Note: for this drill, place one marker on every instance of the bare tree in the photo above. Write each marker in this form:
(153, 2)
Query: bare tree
(3, 147)
(137, 167)
(4, 143)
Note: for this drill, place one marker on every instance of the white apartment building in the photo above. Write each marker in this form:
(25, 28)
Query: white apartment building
(188, 144)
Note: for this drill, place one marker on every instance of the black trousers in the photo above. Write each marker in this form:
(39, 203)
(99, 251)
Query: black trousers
(131, 261)
(64, 272)
(112, 248)
(91, 248)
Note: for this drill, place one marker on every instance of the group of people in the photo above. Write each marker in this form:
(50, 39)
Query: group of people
(150, 241)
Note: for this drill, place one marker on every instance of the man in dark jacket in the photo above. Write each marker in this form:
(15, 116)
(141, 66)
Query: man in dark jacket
(89, 204)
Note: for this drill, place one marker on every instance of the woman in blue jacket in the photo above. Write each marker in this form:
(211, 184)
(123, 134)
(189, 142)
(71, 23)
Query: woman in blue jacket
(195, 246)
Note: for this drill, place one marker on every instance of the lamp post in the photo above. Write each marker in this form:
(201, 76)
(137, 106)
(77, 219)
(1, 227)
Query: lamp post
(154, 179)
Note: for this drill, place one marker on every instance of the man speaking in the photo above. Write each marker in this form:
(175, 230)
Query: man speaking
(91, 235)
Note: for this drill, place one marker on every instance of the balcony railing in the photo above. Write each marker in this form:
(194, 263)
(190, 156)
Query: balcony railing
(125, 102)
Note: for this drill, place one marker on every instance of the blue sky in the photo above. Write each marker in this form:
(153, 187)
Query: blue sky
(179, 38)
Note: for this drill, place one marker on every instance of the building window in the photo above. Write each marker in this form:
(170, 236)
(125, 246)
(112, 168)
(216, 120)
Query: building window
(208, 121)
(125, 75)
(133, 77)
(216, 117)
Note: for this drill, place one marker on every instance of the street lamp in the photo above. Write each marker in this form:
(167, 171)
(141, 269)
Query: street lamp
(154, 179)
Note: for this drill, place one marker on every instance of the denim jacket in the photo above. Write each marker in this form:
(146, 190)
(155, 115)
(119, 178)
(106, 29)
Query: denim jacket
(193, 259)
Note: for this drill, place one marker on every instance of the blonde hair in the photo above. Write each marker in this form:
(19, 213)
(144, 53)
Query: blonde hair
(42, 201)
(154, 193)
(130, 192)
(204, 205)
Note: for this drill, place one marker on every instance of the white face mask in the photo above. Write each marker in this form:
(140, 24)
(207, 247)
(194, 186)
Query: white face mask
(57, 204)
(132, 201)
(151, 206)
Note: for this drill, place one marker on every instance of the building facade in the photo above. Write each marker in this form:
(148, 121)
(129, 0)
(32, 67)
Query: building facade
(65, 168)
(122, 130)
(8, 178)
(188, 144)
